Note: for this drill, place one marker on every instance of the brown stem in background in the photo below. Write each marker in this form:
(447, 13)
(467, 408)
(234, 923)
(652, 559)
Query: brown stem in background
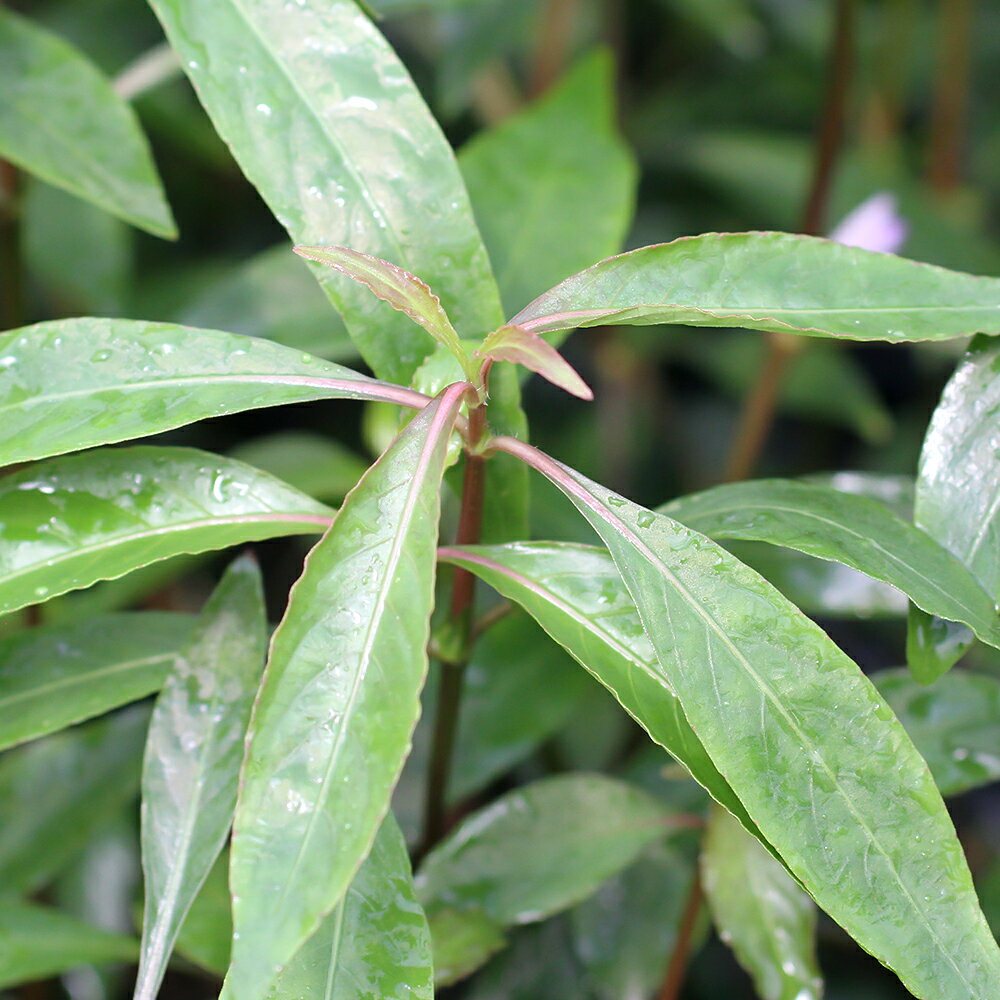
(951, 88)
(677, 966)
(11, 270)
(452, 674)
(553, 47)
(884, 116)
(760, 404)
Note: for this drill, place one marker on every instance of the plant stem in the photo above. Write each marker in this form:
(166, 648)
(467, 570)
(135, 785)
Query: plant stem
(677, 966)
(460, 615)
(154, 67)
(12, 307)
(761, 402)
(951, 86)
(553, 46)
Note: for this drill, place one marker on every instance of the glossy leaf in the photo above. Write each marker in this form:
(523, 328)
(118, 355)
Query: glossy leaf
(61, 119)
(71, 384)
(71, 521)
(463, 941)
(555, 156)
(405, 292)
(312, 463)
(854, 530)
(522, 347)
(332, 724)
(770, 696)
(375, 943)
(760, 912)
(519, 861)
(38, 942)
(55, 676)
(772, 281)
(958, 483)
(368, 168)
(55, 793)
(953, 724)
(933, 644)
(193, 754)
(577, 595)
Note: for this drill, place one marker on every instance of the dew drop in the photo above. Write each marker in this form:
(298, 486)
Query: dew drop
(264, 109)
(615, 502)
(100, 356)
(645, 518)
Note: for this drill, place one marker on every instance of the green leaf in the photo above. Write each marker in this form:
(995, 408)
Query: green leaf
(958, 483)
(376, 941)
(623, 934)
(340, 698)
(577, 595)
(514, 343)
(405, 292)
(854, 530)
(770, 695)
(38, 942)
(207, 930)
(76, 383)
(312, 463)
(519, 860)
(772, 281)
(55, 676)
(272, 295)
(193, 754)
(463, 941)
(561, 153)
(369, 167)
(71, 521)
(760, 912)
(54, 794)
(60, 119)
(934, 645)
(953, 724)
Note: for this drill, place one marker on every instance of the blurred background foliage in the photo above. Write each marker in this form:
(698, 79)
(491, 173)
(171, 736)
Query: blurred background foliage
(634, 122)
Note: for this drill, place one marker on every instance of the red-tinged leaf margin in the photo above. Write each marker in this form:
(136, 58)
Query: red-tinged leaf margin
(524, 347)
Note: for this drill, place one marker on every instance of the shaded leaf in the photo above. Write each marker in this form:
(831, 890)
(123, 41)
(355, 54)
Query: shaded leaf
(71, 384)
(514, 343)
(772, 281)
(760, 912)
(60, 119)
(854, 530)
(71, 521)
(769, 695)
(953, 724)
(577, 595)
(405, 292)
(205, 935)
(519, 861)
(933, 644)
(375, 943)
(559, 154)
(369, 167)
(55, 793)
(463, 941)
(57, 675)
(193, 754)
(332, 724)
(37, 942)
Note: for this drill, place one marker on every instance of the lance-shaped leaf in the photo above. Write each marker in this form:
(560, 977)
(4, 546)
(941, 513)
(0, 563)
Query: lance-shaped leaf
(519, 860)
(771, 697)
(61, 119)
(772, 281)
(332, 724)
(75, 383)
(463, 941)
(54, 794)
(854, 530)
(954, 724)
(55, 676)
(71, 521)
(192, 761)
(576, 594)
(37, 942)
(405, 292)
(518, 162)
(760, 912)
(375, 942)
(523, 347)
(368, 168)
